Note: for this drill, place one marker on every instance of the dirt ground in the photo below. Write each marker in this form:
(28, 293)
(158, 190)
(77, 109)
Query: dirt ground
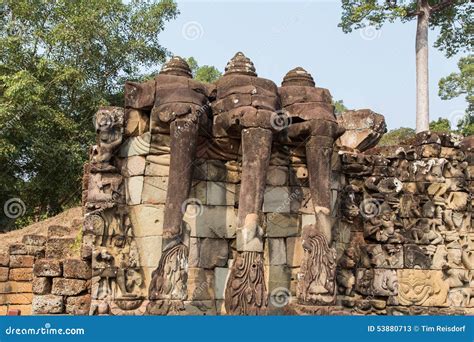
(71, 218)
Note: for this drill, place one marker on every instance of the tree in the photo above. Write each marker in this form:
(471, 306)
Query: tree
(339, 107)
(396, 136)
(454, 18)
(205, 73)
(59, 61)
(461, 83)
(441, 125)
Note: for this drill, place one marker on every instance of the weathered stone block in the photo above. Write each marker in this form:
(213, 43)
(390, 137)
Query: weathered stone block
(79, 305)
(4, 273)
(200, 284)
(36, 251)
(59, 248)
(154, 190)
(199, 192)
(18, 249)
(3, 310)
(416, 257)
(15, 287)
(298, 175)
(422, 287)
(68, 287)
(20, 274)
(76, 268)
(278, 277)
(277, 175)
(34, 240)
(58, 231)
(200, 308)
(136, 122)
(24, 309)
(307, 219)
(276, 200)
(275, 251)
(42, 285)
(219, 193)
(4, 259)
(133, 189)
(157, 165)
(136, 146)
(377, 282)
(147, 220)
(133, 166)
(47, 268)
(294, 251)
(301, 200)
(193, 257)
(282, 225)
(364, 128)
(21, 261)
(383, 256)
(213, 253)
(216, 171)
(220, 276)
(211, 221)
(149, 248)
(16, 298)
(47, 304)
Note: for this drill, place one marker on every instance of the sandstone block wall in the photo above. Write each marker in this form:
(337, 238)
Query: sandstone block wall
(44, 275)
(198, 201)
(406, 238)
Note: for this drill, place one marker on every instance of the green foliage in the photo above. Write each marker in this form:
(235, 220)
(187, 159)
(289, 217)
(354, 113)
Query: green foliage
(441, 125)
(339, 107)
(396, 136)
(205, 73)
(455, 20)
(461, 83)
(59, 61)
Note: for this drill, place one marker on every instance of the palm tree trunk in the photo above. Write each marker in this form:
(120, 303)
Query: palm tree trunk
(422, 92)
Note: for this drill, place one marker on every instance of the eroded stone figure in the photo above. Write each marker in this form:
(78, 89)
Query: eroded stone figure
(244, 108)
(180, 108)
(314, 127)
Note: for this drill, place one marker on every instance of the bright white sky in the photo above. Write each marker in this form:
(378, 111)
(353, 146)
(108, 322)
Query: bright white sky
(366, 69)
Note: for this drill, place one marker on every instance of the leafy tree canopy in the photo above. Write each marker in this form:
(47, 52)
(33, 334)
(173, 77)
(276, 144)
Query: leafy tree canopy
(454, 18)
(458, 84)
(59, 61)
(396, 136)
(339, 107)
(441, 125)
(205, 73)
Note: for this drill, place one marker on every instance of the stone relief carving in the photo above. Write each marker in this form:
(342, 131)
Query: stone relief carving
(398, 239)
(318, 270)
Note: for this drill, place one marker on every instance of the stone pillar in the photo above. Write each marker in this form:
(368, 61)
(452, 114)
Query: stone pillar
(314, 125)
(245, 107)
(181, 105)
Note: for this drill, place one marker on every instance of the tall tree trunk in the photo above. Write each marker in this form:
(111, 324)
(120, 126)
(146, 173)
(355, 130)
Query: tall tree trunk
(422, 91)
